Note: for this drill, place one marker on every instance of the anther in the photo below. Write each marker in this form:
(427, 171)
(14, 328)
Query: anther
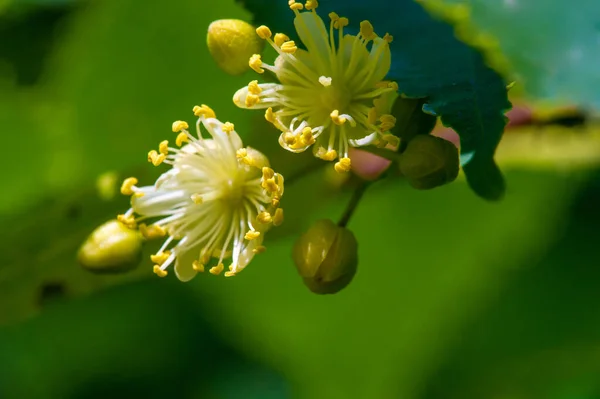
(252, 100)
(311, 4)
(178, 126)
(197, 266)
(336, 118)
(263, 32)
(254, 88)
(163, 147)
(269, 115)
(289, 47)
(325, 81)
(228, 127)
(343, 165)
(197, 199)
(388, 38)
(256, 63)
(181, 138)
(280, 38)
(366, 30)
(259, 249)
(160, 257)
(204, 110)
(252, 234)
(216, 270)
(159, 272)
(278, 217)
(151, 232)
(128, 185)
(329, 155)
(295, 6)
(264, 217)
(229, 274)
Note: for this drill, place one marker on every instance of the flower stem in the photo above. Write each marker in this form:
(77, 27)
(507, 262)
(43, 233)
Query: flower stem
(354, 200)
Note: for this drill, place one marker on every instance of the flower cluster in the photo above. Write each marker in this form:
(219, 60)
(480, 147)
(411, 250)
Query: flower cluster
(331, 95)
(217, 200)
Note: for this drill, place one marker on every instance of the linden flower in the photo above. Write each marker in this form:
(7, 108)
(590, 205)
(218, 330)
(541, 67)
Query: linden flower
(330, 94)
(217, 200)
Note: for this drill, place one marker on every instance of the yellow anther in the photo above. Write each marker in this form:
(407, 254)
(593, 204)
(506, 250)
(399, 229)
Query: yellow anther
(197, 266)
(307, 137)
(128, 221)
(311, 4)
(341, 22)
(229, 274)
(197, 198)
(181, 138)
(204, 256)
(289, 47)
(128, 185)
(334, 17)
(138, 194)
(216, 270)
(366, 30)
(289, 138)
(275, 202)
(372, 116)
(159, 272)
(390, 139)
(263, 32)
(387, 122)
(241, 153)
(256, 63)
(160, 257)
(228, 127)
(336, 118)
(325, 81)
(156, 158)
(252, 234)
(329, 155)
(178, 126)
(151, 232)
(269, 116)
(393, 85)
(254, 88)
(280, 38)
(204, 110)
(267, 173)
(295, 6)
(278, 217)
(264, 217)
(388, 38)
(252, 100)
(259, 249)
(343, 165)
(270, 186)
(163, 147)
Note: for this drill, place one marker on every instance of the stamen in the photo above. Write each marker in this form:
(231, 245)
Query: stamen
(289, 47)
(178, 126)
(256, 63)
(127, 188)
(263, 32)
(280, 38)
(216, 270)
(159, 272)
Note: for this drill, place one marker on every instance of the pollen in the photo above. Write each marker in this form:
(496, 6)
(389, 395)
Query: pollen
(217, 200)
(128, 186)
(335, 85)
(178, 126)
(343, 165)
(263, 32)
(256, 63)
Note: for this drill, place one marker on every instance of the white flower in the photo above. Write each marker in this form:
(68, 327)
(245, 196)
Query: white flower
(217, 200)
(330, 94)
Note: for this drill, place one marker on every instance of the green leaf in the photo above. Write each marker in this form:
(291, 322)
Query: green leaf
(428, 62)
(559, 66)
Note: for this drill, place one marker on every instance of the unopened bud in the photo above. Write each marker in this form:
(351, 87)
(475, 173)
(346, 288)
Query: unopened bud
(232, 42)
(429, 162)
(111, 248)
(326, 257)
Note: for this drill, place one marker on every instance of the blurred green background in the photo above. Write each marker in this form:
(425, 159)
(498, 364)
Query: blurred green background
(455, 297)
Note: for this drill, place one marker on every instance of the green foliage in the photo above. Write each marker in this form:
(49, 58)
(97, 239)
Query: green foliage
(559, 66)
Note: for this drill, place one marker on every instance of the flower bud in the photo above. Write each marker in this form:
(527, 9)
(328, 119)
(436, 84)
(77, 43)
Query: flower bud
(232, 42)
(429, 162)
(326, 257)
(112, 247)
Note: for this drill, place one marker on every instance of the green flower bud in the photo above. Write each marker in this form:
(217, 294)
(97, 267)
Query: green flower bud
(232, 42)
(112, 247)
(429, 161)
(326, 257)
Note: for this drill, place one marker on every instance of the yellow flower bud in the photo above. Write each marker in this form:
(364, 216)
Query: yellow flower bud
(112, 247)
(326, 257)
(231, 42)
(429, 161)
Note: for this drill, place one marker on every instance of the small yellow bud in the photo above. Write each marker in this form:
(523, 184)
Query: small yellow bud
(111, 248)
(231, 42)
(429, 162)
(326, 257)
